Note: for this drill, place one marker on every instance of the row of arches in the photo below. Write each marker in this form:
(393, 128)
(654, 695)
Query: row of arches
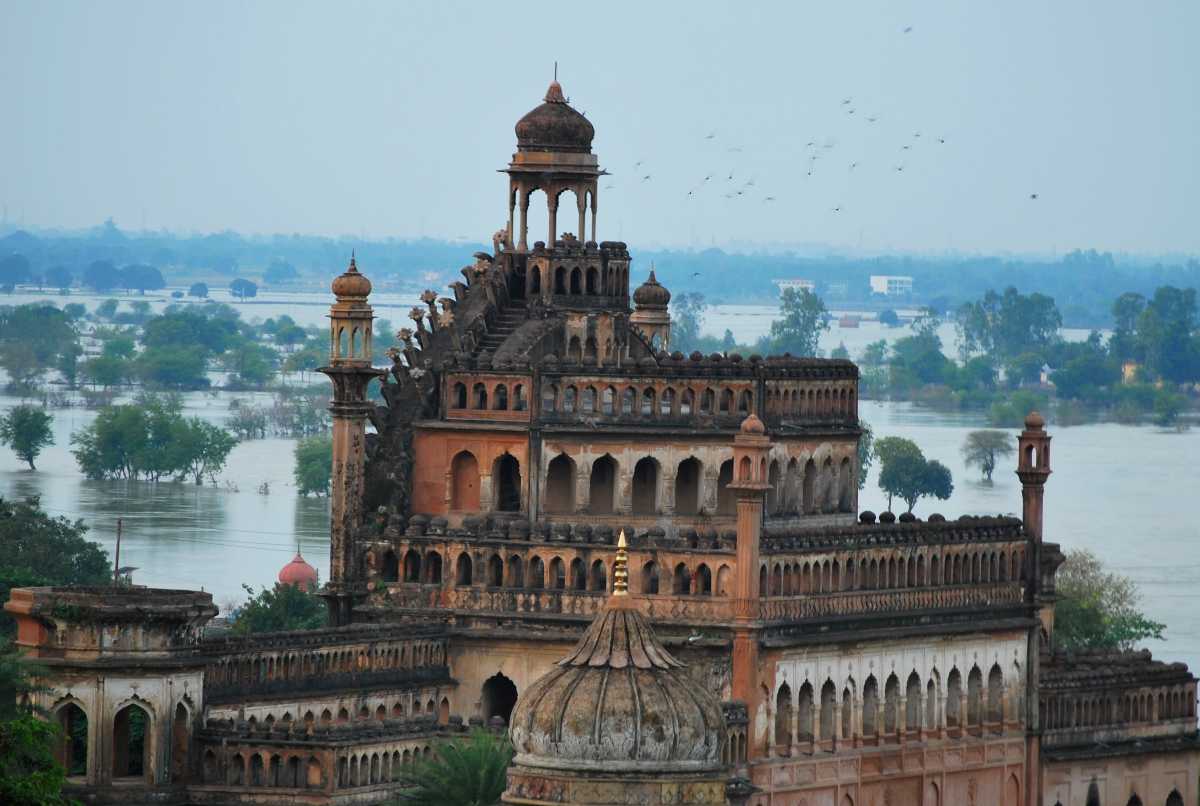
(807, 715)
(264, 769)
(536, 573)
(352, 343)
(648, 401)
(1093, 798)
(484, 397)
(133, 729)
(401, 708)
(951, 567)
(239, 669)
(366, 769)
(1066, 712)
(589, 281)
(825, 403)
(806, 489)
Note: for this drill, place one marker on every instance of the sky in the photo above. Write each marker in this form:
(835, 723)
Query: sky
(391, 119)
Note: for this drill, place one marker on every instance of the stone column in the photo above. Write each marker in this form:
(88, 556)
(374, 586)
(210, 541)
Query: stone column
(552, 204)
(581, 204)
(523, 246)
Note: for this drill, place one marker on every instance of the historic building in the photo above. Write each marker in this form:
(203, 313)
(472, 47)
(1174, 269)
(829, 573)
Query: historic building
(759, 641)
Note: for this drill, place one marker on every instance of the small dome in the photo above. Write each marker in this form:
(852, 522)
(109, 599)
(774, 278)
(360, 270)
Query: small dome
(350, 283)
(753, 425)
(298, 572)
(651, 294)
(1035, 421)
(554, 126)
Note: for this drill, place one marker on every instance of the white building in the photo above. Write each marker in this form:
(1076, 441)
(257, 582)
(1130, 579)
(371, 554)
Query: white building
(891, 285)
(796, 285)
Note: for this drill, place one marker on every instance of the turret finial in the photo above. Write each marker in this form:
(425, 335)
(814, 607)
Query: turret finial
(621, 568)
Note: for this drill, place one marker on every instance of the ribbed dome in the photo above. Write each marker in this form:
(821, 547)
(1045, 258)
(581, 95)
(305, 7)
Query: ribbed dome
(651, 294)
(298, 572)
(350, 283)
(753, 425)
(618, 701)
(554, 126)
(1035, 421)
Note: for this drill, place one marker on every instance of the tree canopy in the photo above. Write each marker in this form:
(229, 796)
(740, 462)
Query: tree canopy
(469, 771)
(1005, 325)
(314, 463)
(283, 607)
(243, 288)
(1098, 609)
(26, 429)
(101, 275)
(34, 338)
(983, 448)
(905, 473)
(802, 318)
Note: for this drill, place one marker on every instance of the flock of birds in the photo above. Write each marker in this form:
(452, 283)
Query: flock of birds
(732, 186)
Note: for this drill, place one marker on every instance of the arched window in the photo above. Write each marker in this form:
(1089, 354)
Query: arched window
(458, 396)
(569, 396)
(746, 470)
(745, 402)
(558, 574)
(412, 566)
(648, 402)
(602, 486)
(804, 714)
(687, 487)
(433, 568)
(891, 703)
(576, 281)
(390, 567)
(707, 401)
(724, 581)
(507, 476)
(726, 401)
(560, 280)
(645, 486)
(828, 492)
(810, 487)
(599, 576)
(828, 709)
(954, 699)
(130, 748)
(592, 279)
(516, 572)
(870, 706)
(666, 404)
(847, 712)
(578, 575)
(726, 500)
(464, 483)
(628, 397)
(650, 577)
(479, 397)
(681, 585)
(574, 350)
(462, 570)
(931, 699)
(773, 492)
(686, 402)
(587, 401)
(560, 485)
(975, 697)
(995, 701)
(783, 720)
(495, 571)
(912, 703)
(549, 397)
(73, 739)
(703, 580)
(500, 399)
(498, 697)
(607, 400)
(519, 402)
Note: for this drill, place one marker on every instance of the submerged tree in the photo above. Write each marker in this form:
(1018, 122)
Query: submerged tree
(314, 464)
(906, 474)
(983, 448)
(462, 772)
(26, 429)
(798, 329)
(1097, 609)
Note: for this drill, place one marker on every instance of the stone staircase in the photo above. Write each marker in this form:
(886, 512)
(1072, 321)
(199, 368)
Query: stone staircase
(508, 321)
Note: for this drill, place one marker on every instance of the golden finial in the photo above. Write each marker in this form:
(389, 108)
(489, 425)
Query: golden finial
(621, 568)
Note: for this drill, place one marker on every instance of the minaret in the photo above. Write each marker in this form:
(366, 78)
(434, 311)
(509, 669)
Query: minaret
(1033, 468)
(350, 370)
(750, 449)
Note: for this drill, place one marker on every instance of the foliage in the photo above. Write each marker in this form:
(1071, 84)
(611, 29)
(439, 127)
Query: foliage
(687, 315)
(197, 328)
(29, 773)
(1007, 325)
(1168, 406)
(983, 448)
(59, 277)
(284, 607)
(314, 465)
(106, 370)
(889, 318)
(1098, 609)
(140, 277)
(34, 338)
(1009, 412)
(107, 309)
(802, 318)
(1166, 336)
(198, 290)
(36, 549)
(866, 451)
(280, 272)
(243, 288)
(26, 429)
(906, 474)
(251, 364)
(150, 439)
(172, 368)
(102, 275)
(462, 772)
(14, 270)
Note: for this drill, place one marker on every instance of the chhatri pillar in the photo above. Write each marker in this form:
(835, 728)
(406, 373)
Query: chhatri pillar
(350, 370)
(750, 449)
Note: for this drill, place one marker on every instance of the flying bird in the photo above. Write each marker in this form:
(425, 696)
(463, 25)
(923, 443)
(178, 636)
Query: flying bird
(899, 167)
(904, 148)
(646, 178)
(917, 136)
(809, 144)
(853, 165)
(711, 136)
(837, 209)
(849, 111)
(846, 101)
(769, 199)
(908, 30)
(708, 177)
(1033, 196)
(942, 140)
(695, 274)
(872, 120)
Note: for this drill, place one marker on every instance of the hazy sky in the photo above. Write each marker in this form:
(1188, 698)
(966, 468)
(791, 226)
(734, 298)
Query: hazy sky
(389, 119)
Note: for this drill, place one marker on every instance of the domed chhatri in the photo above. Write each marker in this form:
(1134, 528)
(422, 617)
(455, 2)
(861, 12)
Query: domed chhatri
(620, 709)
(753, 425)
(652, 294)
(298, 572)
(1035, 421)
(350, 284)
(554, 126)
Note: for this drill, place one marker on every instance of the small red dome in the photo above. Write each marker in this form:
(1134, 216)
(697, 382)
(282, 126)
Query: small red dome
(298, 572)
(753, 425)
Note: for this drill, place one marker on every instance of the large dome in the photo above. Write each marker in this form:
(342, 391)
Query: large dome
(298, 572)
(619, 701)
(651, 294)
(554, 126)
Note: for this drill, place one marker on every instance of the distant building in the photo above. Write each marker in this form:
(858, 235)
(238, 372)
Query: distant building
(891, 285)
(795, 285)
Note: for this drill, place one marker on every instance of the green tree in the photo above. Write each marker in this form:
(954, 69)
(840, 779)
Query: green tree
(26, 429)
(208, 331)
(142, 278)
(29, 773)
(34, 338)
(280, 272)
(906, 474)
(866, 451)
(101, 275)
(198, 290)
(469, 771)
(802, 318)
(59, 277)
(314, 465)
(874, 354)
(983, 448)
(14, 270)
(1167, 337)
(888, 449)
(106, 371)
(107, 309)
(1005, 325)
(36, 549)
(173, 368)
(283, 607)
(203, 449)
(243, 288)
(889, 318)
(687, 315)
(1168, 406)
(118, 346)
(1097, 609)
(252, 364)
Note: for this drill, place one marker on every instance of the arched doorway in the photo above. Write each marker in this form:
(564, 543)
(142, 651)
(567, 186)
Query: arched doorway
(73, 750)
(810, 487)
(130, 746)
(464, 483)
(560, 485)
(726, 500)
(602, 486)
(180, 745)
(687, 487)
(498, 698)
(507, 474)
(645, 486)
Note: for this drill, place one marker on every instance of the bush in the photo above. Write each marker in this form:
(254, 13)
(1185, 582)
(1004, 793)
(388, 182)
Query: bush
(314, 465)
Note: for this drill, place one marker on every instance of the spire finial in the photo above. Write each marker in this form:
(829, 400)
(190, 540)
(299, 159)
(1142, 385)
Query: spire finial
(621, 568)
(556, 69)
(353, 266)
